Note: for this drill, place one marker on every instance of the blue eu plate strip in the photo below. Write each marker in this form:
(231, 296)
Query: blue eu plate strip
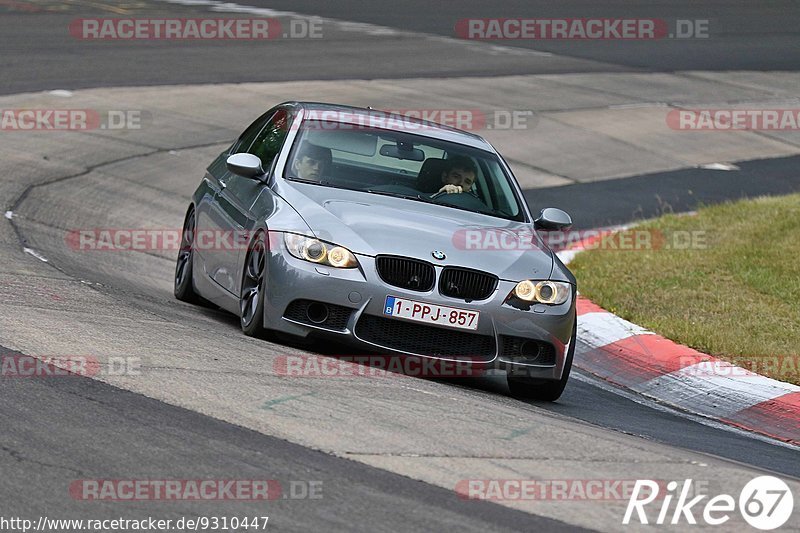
(389, 307)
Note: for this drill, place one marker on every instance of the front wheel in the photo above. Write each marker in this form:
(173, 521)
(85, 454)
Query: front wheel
(546, 390)
(254, 284)
(184, 286)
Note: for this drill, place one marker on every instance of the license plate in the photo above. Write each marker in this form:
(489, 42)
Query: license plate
(431, 314)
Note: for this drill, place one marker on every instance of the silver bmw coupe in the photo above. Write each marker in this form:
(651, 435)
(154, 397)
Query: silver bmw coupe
(395, 235)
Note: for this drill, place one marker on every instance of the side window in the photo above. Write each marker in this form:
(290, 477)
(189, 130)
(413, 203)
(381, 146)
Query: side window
(246, 139)
(501, 190)
(270, 140)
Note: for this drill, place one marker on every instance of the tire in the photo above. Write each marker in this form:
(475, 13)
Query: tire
(184, 283)
(545, 390)
(253, 291)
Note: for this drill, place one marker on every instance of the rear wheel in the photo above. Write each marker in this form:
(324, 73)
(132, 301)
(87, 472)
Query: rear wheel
(184, 286)
(546, 390)
(254, 284)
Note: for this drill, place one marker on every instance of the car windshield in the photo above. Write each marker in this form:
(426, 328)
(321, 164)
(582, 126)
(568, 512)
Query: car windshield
(411, 166)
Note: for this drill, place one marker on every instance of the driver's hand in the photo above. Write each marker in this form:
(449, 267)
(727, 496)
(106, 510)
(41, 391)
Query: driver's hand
(450, 189)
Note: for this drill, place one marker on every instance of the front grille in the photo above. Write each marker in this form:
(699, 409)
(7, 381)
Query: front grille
(337, 315)
(544, 353)
(424, 340)
(405, 273)
(466, 284)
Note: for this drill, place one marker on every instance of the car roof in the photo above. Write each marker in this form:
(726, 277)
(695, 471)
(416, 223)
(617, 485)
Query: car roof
(357, 115)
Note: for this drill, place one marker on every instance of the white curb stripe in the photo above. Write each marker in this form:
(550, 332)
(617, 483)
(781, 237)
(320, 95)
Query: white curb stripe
(567, 256)
(599, 329)
(714, 388)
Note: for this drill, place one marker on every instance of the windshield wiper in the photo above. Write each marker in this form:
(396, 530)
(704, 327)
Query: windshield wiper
(312, 182)
(394, 194)
(432, 199)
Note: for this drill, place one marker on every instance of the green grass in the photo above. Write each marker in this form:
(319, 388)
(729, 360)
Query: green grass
(735, 294)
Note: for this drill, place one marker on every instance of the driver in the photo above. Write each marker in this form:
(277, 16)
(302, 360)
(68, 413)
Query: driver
(459, 175)
(310, 162)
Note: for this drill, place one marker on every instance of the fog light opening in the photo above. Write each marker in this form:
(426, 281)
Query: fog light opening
(317, 312)
(530, 350)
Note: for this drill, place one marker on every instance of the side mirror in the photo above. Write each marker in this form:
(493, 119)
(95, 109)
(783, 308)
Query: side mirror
(553, 219)
(245, 165)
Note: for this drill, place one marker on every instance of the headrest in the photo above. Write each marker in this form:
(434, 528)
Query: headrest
(429, 179)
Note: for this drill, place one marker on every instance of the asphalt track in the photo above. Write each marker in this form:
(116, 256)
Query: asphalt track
(741, 36)
(621, 201)
(39, 53)
(79, 428)
(61, 429)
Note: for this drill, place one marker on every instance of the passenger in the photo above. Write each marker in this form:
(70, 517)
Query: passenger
(459, 175)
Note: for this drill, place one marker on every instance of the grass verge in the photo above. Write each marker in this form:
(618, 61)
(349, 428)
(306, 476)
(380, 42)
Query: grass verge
(725, 281)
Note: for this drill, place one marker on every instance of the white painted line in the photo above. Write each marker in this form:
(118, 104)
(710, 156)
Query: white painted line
(351, 26)
(232, 7)
(638, 105)
(364, 27)
(63, 93)
(719, 166)
(507, 50)
(601, 328)
(35, 254)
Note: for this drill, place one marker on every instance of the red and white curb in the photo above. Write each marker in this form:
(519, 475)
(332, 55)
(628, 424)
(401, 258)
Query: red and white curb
(628, 355)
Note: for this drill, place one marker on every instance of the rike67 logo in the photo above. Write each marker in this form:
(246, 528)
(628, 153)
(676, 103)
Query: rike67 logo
(765, 503)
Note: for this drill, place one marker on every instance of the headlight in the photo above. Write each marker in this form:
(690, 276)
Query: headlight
(543, 292)
(319, 252)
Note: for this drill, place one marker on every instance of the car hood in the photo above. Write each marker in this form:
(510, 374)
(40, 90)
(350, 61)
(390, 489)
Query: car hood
(373, 224)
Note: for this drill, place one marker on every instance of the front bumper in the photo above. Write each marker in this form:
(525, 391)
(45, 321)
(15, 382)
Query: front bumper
(362, 292)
